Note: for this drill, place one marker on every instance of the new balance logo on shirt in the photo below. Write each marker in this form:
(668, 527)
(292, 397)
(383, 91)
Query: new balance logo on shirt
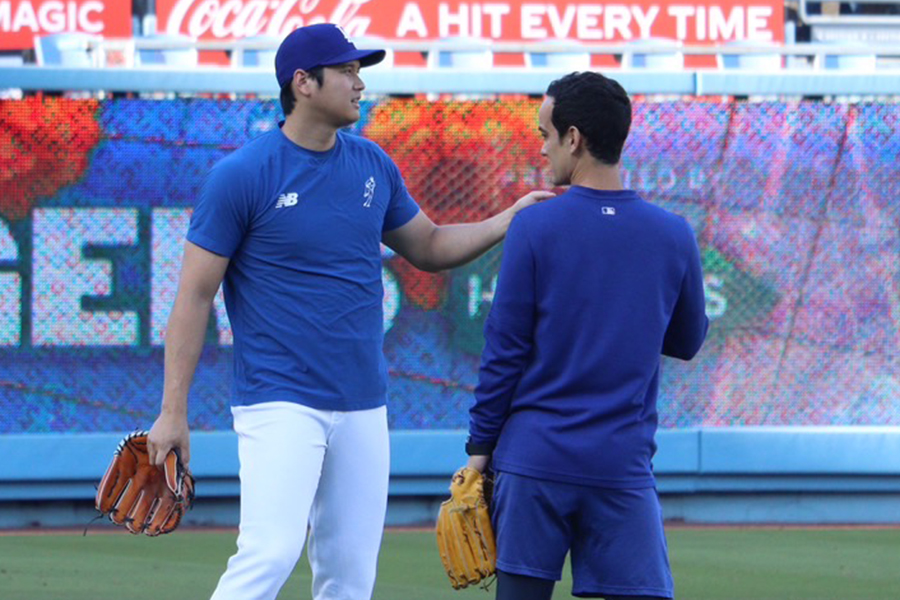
(286, 200)
(291, 198)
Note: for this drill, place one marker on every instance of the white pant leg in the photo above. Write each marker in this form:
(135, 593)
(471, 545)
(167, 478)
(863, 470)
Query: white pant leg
(347, 518)
(281, 447)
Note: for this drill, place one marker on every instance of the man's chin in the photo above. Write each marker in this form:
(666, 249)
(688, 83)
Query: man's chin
(348, 122)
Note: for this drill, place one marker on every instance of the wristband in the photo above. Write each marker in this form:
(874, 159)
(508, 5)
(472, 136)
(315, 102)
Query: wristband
(473, 449)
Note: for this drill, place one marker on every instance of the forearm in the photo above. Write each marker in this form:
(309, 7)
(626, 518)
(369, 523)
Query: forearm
(185, 334)
(688, 325)
(504, 361)
(453, 245)
(430, 247)
(486, 419)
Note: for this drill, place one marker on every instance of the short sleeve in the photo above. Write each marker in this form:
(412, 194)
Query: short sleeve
(222, 215)
(401, 207)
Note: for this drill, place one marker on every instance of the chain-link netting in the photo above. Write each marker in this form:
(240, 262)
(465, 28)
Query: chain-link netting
(795, 206)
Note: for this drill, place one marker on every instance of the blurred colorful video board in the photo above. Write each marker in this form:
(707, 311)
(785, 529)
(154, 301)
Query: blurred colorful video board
(796, 207)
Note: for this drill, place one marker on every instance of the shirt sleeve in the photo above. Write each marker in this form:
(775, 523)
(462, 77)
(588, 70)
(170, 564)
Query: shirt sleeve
(508, 333)
(222, 215)
(401, 207)
(689, 323)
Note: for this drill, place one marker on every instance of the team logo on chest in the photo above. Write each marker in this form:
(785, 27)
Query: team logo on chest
(369, 192)
(286, 200)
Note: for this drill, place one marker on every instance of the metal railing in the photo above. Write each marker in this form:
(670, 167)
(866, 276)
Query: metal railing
(414, 80)
(804, 72)
(126, 48)
(811, 50)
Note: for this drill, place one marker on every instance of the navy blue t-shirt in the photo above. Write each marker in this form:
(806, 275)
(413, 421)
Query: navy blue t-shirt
(303, 291)
(594, 286)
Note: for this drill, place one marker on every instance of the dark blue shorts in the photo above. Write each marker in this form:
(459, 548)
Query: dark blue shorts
(615, 536)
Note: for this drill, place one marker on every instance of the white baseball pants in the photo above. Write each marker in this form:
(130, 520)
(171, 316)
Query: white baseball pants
(300, 465)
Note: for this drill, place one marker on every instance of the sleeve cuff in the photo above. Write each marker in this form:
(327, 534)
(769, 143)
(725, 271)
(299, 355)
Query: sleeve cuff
(473, 449)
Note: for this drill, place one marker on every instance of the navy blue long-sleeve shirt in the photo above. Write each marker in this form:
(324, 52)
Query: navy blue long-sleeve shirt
(594, 287)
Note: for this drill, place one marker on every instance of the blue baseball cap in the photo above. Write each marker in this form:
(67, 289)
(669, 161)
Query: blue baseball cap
(321, 45)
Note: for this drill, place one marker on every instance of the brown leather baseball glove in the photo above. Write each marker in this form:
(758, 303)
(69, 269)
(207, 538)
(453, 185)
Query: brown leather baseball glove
(465, 537)
(141, 496)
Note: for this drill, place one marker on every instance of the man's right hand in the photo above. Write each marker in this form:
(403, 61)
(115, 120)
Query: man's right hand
(168, 432)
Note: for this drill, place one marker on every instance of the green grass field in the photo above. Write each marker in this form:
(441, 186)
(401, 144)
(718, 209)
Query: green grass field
(708, 563)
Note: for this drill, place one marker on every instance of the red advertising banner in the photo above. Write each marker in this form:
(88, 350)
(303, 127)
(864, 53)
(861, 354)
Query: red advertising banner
(691, 21)
(21, 20)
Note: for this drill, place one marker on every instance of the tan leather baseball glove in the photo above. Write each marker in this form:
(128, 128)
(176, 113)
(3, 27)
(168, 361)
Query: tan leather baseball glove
(465, 537)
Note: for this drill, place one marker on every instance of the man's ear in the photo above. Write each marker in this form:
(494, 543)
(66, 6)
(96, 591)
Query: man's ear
(574, 140)
(303, 82)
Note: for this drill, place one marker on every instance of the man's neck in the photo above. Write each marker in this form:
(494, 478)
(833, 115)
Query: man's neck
(597, 176)
(308, 132)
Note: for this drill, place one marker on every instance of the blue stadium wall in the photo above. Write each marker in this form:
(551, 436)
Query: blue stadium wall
(791, 413)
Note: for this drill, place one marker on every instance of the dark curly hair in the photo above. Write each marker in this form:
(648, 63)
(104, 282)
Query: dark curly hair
(598, 107)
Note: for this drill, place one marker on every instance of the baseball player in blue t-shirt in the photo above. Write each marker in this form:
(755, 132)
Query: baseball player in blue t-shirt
(593, 287)
(291, 225)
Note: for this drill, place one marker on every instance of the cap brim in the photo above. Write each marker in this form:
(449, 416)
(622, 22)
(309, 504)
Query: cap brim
(366, 58)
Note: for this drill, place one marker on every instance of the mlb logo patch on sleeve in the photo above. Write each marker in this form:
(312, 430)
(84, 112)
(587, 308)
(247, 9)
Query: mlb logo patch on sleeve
(608, 210)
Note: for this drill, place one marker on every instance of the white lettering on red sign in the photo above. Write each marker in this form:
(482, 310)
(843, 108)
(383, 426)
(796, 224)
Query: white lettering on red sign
(716, 23)
(586, 21)
(468, 20)
(245, 18)
(54, 16)
(412, 21)
(526, 20)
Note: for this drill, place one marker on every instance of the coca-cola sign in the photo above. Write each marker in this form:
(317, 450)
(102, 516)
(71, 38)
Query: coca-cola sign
(229, 19)
(697, 21)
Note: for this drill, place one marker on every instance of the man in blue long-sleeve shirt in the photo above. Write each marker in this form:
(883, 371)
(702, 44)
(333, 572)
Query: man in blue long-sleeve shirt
(594, 287)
